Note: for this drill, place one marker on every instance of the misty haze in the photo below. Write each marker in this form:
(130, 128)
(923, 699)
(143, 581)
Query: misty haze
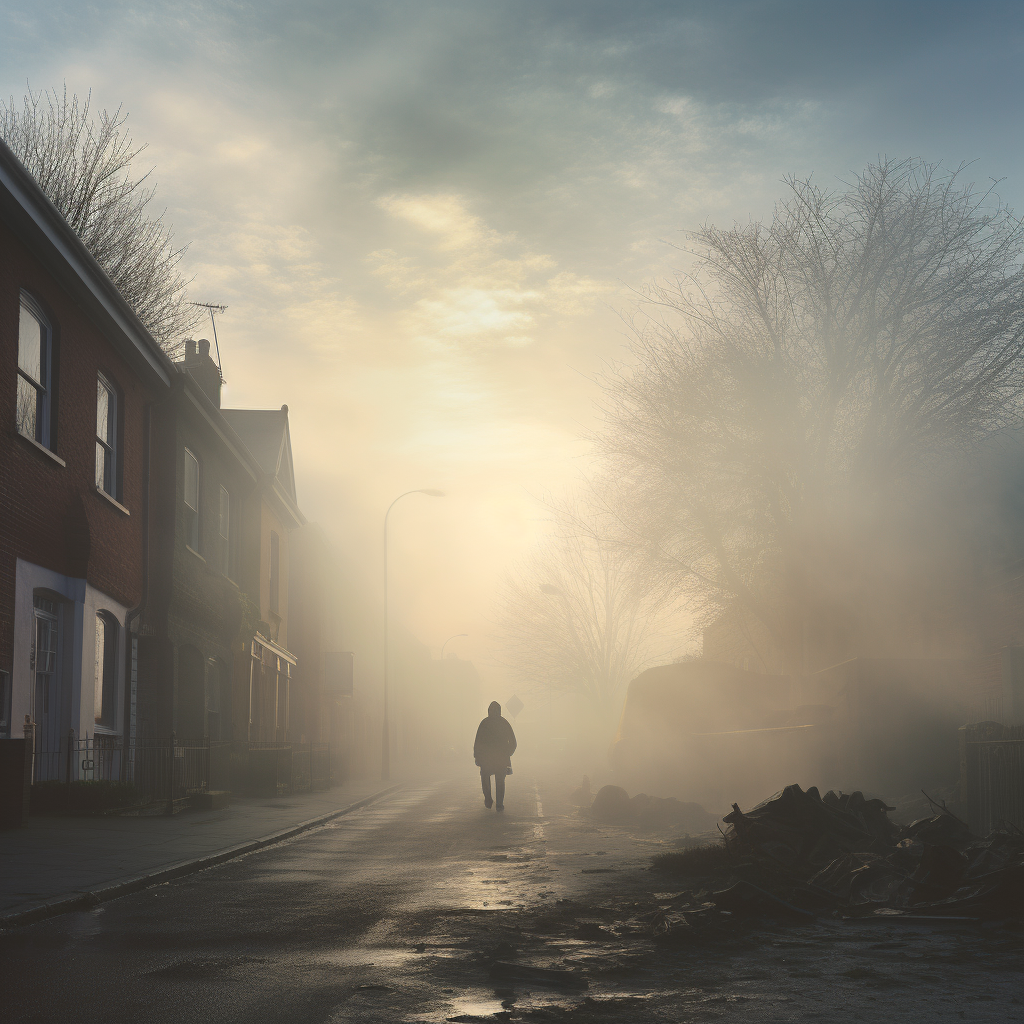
(511, 511)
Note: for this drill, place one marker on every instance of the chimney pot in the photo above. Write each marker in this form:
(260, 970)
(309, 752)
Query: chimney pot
(190, 347)
(204, 347)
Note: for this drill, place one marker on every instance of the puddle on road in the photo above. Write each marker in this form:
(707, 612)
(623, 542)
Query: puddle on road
(475, 1006)
(478, 1006)
(365, 956)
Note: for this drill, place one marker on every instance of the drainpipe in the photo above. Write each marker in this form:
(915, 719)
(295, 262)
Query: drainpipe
(131, 641)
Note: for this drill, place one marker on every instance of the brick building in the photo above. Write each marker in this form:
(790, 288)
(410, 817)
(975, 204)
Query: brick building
(268, 673)
(144, 532)
(79, 379)
(202, 589)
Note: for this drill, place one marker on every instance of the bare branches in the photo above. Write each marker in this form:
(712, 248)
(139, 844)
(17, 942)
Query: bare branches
(811, 366)
(83, 165)
(574, 618)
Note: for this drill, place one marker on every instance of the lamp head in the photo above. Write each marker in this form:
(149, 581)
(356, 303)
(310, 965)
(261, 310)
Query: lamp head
(550, 588)
(433, 493)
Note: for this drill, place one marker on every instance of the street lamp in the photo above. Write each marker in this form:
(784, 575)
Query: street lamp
(385, 746)
(454, 636)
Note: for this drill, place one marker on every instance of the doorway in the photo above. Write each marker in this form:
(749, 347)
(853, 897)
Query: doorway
(47, 703)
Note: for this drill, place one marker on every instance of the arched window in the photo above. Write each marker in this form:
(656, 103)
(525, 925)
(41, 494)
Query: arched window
(105, 699)
(35, 373)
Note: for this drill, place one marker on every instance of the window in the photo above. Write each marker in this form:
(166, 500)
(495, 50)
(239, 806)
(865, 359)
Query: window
(275, 571)
(34, 373)
(191, 501)
(106, 668)
(5, 705)
(49, 701)
(106, 437)
(216, 692)
(225, 532)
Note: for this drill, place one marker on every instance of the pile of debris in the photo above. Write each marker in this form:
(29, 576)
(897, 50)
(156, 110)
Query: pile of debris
(801, 852)
(615, 806)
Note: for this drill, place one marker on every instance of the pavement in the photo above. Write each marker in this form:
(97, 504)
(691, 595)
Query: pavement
(424, 907)
(58, 864)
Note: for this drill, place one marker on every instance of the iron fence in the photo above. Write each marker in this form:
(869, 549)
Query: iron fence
(269, 767)
(160, 771)
(992, 775)
(185, 768)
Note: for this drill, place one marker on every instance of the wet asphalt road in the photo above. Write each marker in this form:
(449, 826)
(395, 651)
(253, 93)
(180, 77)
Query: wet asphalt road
(400, 911)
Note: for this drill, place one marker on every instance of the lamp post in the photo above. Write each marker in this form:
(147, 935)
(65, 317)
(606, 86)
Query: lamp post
(385, 746)
(454, 636)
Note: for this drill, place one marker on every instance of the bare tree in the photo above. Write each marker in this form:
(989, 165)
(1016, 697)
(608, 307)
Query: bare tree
(83, 166)
(789, 391)
(572, 618)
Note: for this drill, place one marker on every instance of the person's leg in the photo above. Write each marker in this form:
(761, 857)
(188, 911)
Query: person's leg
(499, 789)
(485, 781)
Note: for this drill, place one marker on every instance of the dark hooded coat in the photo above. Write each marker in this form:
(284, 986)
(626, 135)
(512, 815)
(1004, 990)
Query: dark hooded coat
(495, 742)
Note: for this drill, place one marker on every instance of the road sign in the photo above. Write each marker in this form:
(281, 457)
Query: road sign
(514, 705)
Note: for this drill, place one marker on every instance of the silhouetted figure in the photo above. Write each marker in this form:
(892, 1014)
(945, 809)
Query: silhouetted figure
(495, 744)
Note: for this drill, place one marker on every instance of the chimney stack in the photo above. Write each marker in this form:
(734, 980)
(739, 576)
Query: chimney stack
(202, 369)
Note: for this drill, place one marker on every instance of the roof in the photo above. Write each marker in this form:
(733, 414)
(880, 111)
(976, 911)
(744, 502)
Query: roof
(37, 222)
(265, 433)
(211, 416)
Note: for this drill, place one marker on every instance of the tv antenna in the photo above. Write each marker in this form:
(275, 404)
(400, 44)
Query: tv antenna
(214, 308)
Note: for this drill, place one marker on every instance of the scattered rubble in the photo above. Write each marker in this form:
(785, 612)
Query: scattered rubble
(614, 805)
(544, 977)
(801, 853)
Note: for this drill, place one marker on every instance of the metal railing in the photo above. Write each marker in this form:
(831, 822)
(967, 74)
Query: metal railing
(180, 769)
(155, 771)
(269, 767)
(992, 775)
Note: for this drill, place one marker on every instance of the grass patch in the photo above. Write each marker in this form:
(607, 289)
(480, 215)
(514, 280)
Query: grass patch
(697, 861)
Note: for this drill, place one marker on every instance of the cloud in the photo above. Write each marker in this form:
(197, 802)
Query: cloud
(470, 284)
(442, 215)
(423, 216)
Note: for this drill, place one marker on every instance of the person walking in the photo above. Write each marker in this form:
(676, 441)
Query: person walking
(493, 749)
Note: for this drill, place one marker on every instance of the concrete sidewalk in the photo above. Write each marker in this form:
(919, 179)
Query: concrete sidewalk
(59, 864)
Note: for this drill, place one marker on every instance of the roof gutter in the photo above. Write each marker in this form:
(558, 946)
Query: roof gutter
(50, 236)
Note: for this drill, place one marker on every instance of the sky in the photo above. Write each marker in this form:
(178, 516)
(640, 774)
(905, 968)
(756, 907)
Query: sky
(430, 220)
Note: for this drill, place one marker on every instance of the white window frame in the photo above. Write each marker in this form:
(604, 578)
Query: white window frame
(105, 680)
(43, 388)
(108, 482)
(193, 534)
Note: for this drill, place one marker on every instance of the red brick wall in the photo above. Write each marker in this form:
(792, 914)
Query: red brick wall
(52, 515)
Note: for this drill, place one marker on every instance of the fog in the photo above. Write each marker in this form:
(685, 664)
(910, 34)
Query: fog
(432, 225)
